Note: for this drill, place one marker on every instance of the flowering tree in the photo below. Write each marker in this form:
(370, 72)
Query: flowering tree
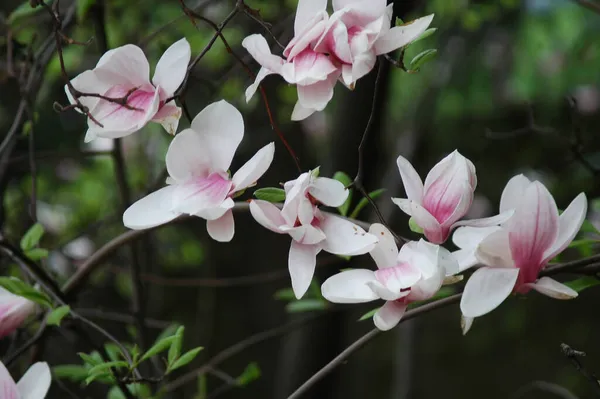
(450, 256)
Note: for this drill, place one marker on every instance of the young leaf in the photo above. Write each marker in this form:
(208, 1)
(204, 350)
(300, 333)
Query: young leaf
(56, 316)
(32, 237)
(185, 359)
(421, 58)
(425, 35)
(316, 171)
(285, 294)
(582, 283)
(114, 352)
(158, 347)
(251, 373)
(90, 359)
(414, 227)
(364, 202)
(305, 305)
(36, 254)
(175, 349)
(270, 194)
(20, 288)
(345, 180)
(102, 377)
(72, 372)
(368, 315)
(101, 368)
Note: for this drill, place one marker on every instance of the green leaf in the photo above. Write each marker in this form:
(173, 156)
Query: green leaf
(346, 181)
(588, 227)
(25, 10)
(250, 373)
(72, 372)
(316, 171)
(175, 349)
(92, 359)
(137, 390)
(167, 332)
(103, 377)
(285, 294)
(56, 316)
(185, 359)
(32, 237)
(101, 368)
(158, 347)
(305, 305)
(270, 194)
(421, 58)
(368, 315)
(36, 254)
(82, 8)
(582, 283)
(20, 288)
(425, 35)
(364, 202)
(412, 224)
(113, 351)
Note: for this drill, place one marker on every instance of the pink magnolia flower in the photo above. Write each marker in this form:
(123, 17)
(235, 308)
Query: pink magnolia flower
(360, 30)
(33, 385)
(312, 230)
(125, 71)
(439, 204)
(312, 72)
(13, 311)
(515, 254)
(198, 161)
(416, 273)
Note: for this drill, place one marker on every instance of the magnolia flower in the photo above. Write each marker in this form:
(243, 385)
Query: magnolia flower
(33, 385)
(360, 30)
(445, 198)
(314, 73)
(198, 161)
(515, 254)
(13, 311)
(312, 230)
(415, 273)
(124, 72)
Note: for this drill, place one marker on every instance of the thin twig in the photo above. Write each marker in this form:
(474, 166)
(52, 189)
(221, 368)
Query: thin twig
(573, 355)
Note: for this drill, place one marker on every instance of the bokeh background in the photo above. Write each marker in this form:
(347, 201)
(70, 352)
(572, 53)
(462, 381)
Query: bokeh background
(514, 87)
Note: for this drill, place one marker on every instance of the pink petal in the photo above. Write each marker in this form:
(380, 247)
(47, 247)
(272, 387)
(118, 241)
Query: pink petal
(385, 251)
(151, 211)
(35, 383)
(486, 289)
(267, 215)
(363, 64)
(359, 12)
(128, 63)
(569, 223)
(311, 67)
(431, 227)
(309, 37)
(553, 289)
(89, 82)
(513, 192)
(252, 170)
(413, 186)
(400, 36)
(329, 192)
(305, 234)
(448, 190)
(349, 286)
(14, 310)
(168, 116)
(389, 315)
(216, 212)
(200, 193)
(172, 67)
(306, 11)
(335, 41)
(221, 229)
(344, 237)
(8, 388)
(259, 49)
(398, 278)
(302, 263)
(494, 250)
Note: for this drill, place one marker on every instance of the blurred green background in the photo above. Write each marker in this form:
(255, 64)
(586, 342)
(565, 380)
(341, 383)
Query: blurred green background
(502, 67)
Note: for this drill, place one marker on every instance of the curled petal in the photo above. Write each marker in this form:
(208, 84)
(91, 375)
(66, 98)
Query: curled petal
(260, 76)
(385, 251)
(569, 223)
(254, 168)
(267, 215)
(302, 262)
(223, 228)
(329, 192)
(494, 250)
(413, 185)
(486, 222)
(306, 11)
(168, 116)
(172, 67)
(400, 36)
(431, 227)
(466, 323)
(344, 237)
(349, 286)
(152, 210)
(389, 315)
(300, 112)
(127, 63)
(398, 278)
(486, 289)
(553, 289)
(513, 192)
(259, 49)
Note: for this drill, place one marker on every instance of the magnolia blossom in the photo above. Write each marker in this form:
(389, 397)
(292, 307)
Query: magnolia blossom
(415, 273)
(124, 72)
(360, 30)
(312, 230)
(13, 311)
(198, 161)
(33, 385)
(439, 204)
(515, 254)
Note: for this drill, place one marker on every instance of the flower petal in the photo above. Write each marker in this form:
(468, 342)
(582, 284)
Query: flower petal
(470, 237)
(513, 192)
(262, 73)
(344, 237)
(172, 67)
(89, 82)
(494, 250)
(486, 222)
(152, 210)
(404, 204)
(316, 95)
(466, 323)
(127, 62)
(223, 228)
(168, 116)
(14, 310)
(349, 286)
(413, 185)
(569, 223)
(466, 258)
(222, 128)
(35, 383)
(389, 315)
(400, 36)
(267, 215)
(302, 262)
(385, 251)
(200, 194)
(188, 155)
(399, 277)
(431, 227)
(259, 49)
(252, 170)
(300, 112)
(329, 192)
(8, 388)
(487, 288)
(305, 12)
(553, 289)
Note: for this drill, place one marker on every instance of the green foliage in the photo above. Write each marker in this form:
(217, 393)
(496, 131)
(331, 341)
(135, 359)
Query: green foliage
(414, 227)
(20, 288)
(369, 314)
(183, 359)
(364, 202)
(346, 181)
(311, 301)
(306, 305)
(158, 347)
(175, 349)
(251, 373)
(57, 315)
(582, 283)
(32, 237)
(420, 59)
(270, 194)
(23, 11)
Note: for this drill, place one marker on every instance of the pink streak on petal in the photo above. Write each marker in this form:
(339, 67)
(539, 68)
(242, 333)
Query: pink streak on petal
(114, 114)
(441, 199)
(202, 192)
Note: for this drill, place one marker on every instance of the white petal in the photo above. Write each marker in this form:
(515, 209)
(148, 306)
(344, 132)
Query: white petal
(389, 315)
(128, 62)
(349, 286)
(8, 388)
(398, 278)
(494, 250)
(413, 185)
(316, 95)
(301, 113)
(486, 222)
(172, 67)
(259, 49)
(384, 293)
(216, 212)
(553, 289)
(306, 10)
(466, 258)
(400, 36)
(569, 223)
(267, 214)
(168, 116)
(404, 204)
(223, 228)
(188, 155)
(487, 288)
(513, 192)
(470, 237)
(344, 237)
(254, 168)
(36, 382)
(302, 262)
(431, 227)
(152, 210)
(329, 192)
(262, 73)
(88, 82)
(466, 323)
(222, 128)
(447, 262)
(385, 251)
